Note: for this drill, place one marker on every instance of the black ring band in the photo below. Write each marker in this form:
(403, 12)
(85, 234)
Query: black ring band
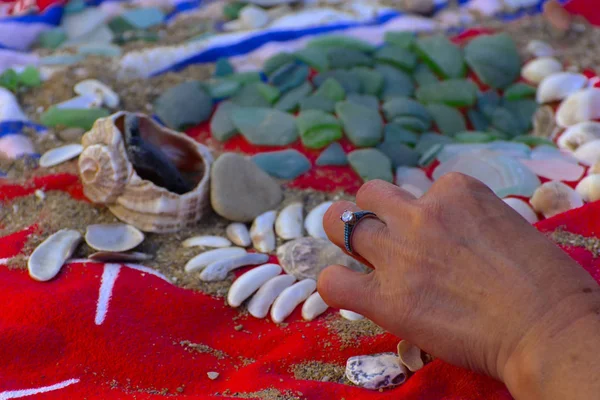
(350, 222)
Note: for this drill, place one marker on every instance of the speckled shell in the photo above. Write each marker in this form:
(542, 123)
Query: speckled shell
(110, 179)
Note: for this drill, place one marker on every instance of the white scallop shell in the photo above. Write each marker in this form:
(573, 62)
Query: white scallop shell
(580, 106)
(539, 68)
(109, 178)
(113, 237)
(558, 86)
(60, 154)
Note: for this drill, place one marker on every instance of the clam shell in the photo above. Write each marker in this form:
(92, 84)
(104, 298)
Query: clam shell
(580, 106)
(113, 237)
(410, 356)
(558, 86)
(60, 154)
(314, 220)
(109, 178)
(289, 222)
(313, 307)
(260, 303)
(262, 233)
(250, 282)
(537, 69)
(289, 299)
(48, 258)
(206, 241)
(554, 198)
(589, 188)
(579, 134)
(238, 234)
(351, 315)
(109, 256)
(208, 257)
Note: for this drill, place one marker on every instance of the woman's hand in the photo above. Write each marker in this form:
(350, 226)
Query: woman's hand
(465, 278)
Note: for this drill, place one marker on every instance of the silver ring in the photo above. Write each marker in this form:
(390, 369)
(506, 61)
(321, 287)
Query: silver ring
(350, 220)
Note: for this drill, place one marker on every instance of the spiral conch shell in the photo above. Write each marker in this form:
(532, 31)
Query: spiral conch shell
(109, 178)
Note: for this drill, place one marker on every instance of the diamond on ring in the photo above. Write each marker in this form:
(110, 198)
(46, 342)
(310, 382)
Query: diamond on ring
(348, 217)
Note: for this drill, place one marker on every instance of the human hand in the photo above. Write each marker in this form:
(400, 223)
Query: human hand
(461, 275)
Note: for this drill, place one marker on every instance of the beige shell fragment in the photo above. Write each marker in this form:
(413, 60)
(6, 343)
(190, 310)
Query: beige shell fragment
(554, 198)
(410, 356)
(109, 178)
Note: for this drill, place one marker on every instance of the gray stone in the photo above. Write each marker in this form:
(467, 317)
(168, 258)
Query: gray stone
(372, 164)
(240, 191)
(307, 257)
(184, 105)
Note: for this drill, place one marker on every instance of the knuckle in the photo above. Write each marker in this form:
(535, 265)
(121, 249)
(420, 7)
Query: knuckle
(368, 187)
(455, 179)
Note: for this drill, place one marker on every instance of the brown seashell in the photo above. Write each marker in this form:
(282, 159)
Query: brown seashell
(410, 356)
(109, 178)
(556, 15)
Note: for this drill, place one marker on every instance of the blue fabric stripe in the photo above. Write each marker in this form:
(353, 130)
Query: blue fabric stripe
(16, 127)
(51, 16)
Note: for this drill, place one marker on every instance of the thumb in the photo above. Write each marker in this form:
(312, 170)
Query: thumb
(343, 288)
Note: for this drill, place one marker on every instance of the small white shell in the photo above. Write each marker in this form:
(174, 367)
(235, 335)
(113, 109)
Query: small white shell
(238, 234)
(581, 106)
(218, 270)
(555, 169)
(212, 375)
(579, 134)
(92, 87)
(10, 110)
(260, 303)
(287, 301)
(554, 198)
(113, 237)
(109, 256)
(47, 259)
(351, 315)
(537, 69)
(289, 222)
(538, 48)
(206, 241)
(208, 257)
(60, 154)
(314, 220)
(254, 17)
(251, 281)
(589, 188)
(262, 233)
(589, 153)
(313, 307)
(559, 86)
(81, 102)
(410, 356)
(522, 208)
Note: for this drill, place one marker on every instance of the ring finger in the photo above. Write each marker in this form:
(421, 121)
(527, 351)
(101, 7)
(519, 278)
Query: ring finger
(369, 236)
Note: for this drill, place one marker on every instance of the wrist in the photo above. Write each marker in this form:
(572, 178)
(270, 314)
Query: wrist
(557, 357)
